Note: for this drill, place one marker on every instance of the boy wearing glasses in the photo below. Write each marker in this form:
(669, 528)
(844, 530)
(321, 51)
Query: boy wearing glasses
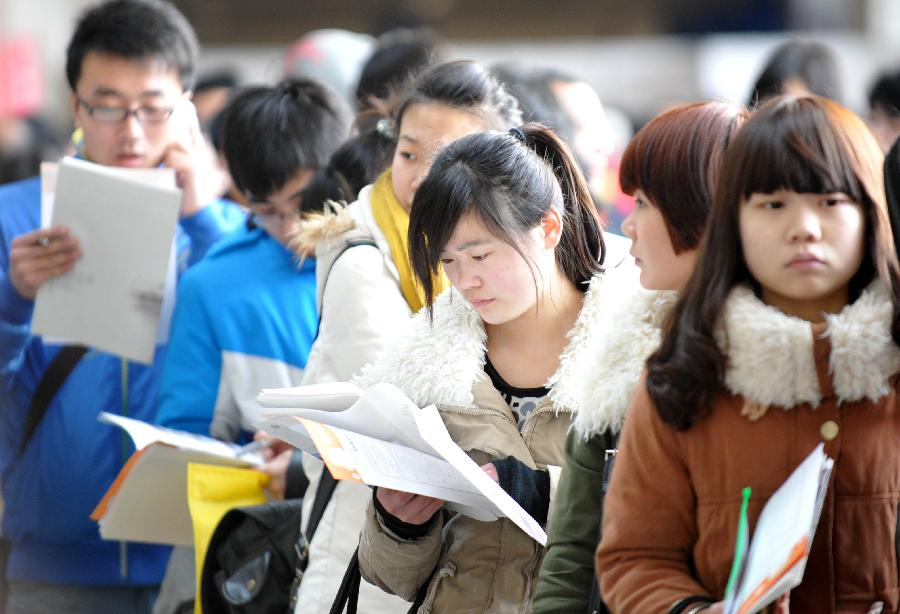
(130, 66)
(246, 315)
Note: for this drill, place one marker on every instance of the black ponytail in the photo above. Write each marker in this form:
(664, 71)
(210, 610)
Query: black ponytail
(510, 180)
(581, 251)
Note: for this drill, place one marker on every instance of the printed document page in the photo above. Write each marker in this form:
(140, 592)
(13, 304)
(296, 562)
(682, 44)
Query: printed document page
(113, 297)
(438, 468)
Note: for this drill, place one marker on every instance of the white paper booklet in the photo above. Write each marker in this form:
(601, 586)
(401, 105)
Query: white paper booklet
(776, 558)
(384, 439)
(147, 502)
(113, 297)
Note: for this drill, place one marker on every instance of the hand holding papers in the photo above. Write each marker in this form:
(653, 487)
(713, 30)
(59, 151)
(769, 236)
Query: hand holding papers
(148, 500)
(384, 439)
(112, 299)
(776, 558)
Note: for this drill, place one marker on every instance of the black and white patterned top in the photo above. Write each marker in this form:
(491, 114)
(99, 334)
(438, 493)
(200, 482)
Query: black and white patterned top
(521, 401)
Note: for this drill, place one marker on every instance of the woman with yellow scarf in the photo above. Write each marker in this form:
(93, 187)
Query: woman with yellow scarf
(367, 290)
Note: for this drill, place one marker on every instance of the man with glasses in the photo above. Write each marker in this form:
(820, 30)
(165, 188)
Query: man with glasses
(130, 66)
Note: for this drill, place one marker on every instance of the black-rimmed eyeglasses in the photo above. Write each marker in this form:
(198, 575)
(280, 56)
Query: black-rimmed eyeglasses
(144, 115)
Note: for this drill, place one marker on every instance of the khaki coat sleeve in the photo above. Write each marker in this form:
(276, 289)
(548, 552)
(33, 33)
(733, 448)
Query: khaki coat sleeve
(398, 566)
(649, 521)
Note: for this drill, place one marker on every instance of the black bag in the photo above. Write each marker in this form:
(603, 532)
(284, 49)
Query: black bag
(251, 560)
(257, 555)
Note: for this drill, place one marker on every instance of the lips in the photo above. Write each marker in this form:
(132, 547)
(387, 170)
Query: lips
(130, 159)
(480, 303)
(805, 261)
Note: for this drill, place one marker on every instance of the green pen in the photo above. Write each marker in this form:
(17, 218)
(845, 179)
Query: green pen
(741, 546)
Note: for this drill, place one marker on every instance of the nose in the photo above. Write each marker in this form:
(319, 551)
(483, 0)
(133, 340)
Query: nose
(805, 225)
(132, 127)
(465, 277)
(629, 228)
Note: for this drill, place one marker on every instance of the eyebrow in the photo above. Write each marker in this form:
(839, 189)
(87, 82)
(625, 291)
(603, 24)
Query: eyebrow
(473, 243)
(108, 91)
(406, 137)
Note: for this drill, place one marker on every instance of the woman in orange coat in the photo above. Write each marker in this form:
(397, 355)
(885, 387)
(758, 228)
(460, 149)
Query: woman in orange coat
(786, 336)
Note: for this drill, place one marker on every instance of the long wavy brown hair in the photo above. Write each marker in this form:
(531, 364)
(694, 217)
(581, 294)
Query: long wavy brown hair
(804, 144)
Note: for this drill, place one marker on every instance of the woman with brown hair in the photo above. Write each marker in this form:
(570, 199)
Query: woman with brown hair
(671, 167)
(786, 336)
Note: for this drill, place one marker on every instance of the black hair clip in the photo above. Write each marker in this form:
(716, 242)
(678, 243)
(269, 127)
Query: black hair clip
(520, 136)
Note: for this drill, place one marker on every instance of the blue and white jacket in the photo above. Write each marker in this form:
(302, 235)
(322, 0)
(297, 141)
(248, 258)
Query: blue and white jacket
(50, 490)
(246, 319)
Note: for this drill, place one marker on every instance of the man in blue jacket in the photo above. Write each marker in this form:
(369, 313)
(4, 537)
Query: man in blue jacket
(130, 66)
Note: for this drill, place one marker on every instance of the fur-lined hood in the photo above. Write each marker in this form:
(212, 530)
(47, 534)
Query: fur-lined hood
(601, 377)
(441, 362)
(771, 360)
(327, 234)
(322, 226)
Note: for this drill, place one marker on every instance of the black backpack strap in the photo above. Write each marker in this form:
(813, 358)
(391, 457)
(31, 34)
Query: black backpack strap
(348, 245)
(52, 380)
(325, 489)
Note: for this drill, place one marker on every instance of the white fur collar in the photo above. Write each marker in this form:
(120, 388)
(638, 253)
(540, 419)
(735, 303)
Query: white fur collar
(440, 363)
(601, 378)
(770, 354)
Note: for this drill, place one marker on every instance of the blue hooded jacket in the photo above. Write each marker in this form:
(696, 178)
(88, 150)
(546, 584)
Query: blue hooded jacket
(246, 319)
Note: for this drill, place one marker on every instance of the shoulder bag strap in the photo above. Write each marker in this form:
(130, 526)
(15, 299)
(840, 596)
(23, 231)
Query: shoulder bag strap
(52, 380)
(348, 594)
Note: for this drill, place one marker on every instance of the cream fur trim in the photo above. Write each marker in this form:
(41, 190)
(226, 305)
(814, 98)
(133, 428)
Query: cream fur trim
(441, 363)
(770, 354)
(610, 365)
(316, 228)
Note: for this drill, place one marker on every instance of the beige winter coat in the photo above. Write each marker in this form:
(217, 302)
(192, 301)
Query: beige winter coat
(480, 566)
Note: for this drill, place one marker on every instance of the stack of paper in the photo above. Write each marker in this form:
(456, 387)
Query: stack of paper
(125, 220)
(776, 558)
(147, 502)
(384, 439)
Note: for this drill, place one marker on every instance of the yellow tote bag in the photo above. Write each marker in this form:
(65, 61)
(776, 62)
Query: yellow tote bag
(212, 491)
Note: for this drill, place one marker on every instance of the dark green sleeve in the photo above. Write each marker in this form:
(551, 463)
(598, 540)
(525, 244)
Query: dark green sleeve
(564, 584)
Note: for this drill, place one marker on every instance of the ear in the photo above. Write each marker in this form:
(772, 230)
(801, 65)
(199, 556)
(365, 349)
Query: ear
(552, 226)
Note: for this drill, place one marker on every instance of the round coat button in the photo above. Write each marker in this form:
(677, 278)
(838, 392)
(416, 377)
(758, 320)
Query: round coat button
(829, 430)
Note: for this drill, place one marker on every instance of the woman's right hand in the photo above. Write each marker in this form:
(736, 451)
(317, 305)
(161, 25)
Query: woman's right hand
(407, 507)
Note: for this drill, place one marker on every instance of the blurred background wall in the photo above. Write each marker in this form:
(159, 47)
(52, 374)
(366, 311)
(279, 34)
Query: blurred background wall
(640, 55)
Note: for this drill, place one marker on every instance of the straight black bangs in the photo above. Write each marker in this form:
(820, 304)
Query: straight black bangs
(453, 193)
(796, 152)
